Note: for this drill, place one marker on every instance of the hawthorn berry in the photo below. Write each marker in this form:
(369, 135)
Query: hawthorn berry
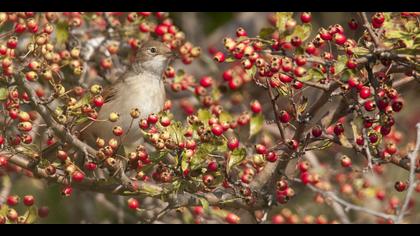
(133, 203)
(28, 200)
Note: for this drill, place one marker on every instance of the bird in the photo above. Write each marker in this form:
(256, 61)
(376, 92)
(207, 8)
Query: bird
(140, 87)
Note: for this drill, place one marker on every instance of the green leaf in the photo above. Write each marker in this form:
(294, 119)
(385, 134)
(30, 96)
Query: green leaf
(185, 162)
(62, 33)
(225, 117)
(204, 203)
(301, 31)
(346, 75)
(324, 144)
(282, 18)
(344, 141)
(230, 59)
(3, 93)
(312, 74)
(200, 155)
(3, 210)
(360, 51)
(204, 115)
(341, 64)
(265, 33)
(31, 215)
(235, 158)
(394, 34)
(252, 71)
(81, 120)
(179, 76)
(256, 124)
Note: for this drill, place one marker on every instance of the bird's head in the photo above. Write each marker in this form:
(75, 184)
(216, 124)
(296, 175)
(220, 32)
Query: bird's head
(153, 56)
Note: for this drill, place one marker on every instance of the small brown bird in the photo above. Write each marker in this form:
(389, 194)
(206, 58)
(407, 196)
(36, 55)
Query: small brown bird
(140, 87)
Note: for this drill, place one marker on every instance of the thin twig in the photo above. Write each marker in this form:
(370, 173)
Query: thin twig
(412, 178)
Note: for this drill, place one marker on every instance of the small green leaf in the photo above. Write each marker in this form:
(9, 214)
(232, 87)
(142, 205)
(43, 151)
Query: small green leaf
(341, 64)
(313, 74)
(203, 115)
(204, 203)
(301, 107)
(3, 210)
(344, 141)
(62, 33)
(81, 120)
(252, 71)
(360, 51)
(185, 162)
(235, 158)
(225, 117)
(31, 215)
(230, 59)
(301, 31)
(324, 144)
(282, 18)
(346, 75)
(265, 33)
(256, 124)
(3, 93)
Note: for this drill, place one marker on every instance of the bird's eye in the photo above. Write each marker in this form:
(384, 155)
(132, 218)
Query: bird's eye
(153, 50)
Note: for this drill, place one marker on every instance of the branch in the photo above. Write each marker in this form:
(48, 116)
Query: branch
(412, 178)
(369, 28)
(276, 110)
(348, 206)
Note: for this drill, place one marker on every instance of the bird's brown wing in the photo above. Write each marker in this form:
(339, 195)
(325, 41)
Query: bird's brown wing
(109, 93)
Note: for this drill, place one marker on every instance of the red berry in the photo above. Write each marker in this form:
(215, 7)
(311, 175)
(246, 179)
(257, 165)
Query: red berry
(338, 129)
(400, 186)
(1, 140)
(240, 32)
(316, 131)
(373, 138)
(28, 200)
(152, 119)
(256, 106)
(353, 24)
(133, 203)
(91, 166)
(346, 162)
(43, 211)
(206, 81)
(232, 218)
(233, 143)
(360, 141)
(271, 156)
(324, 34)
(3, 161)
(277, 219)
(208, 180)
(217, 129)
(165, 121)
(285, 78)
(305, 17)
(296, 41)
(78, 176)
(198, 210)
(12, 200)
(299, 71)
(118, 131)
(212, 166)
(340, 39)
(370, 105)
(284, 117)
(351, 63)
(219, 57)
(397, 105)
(303, 166)
(364, 92)
(261, 149)
(228, 75)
